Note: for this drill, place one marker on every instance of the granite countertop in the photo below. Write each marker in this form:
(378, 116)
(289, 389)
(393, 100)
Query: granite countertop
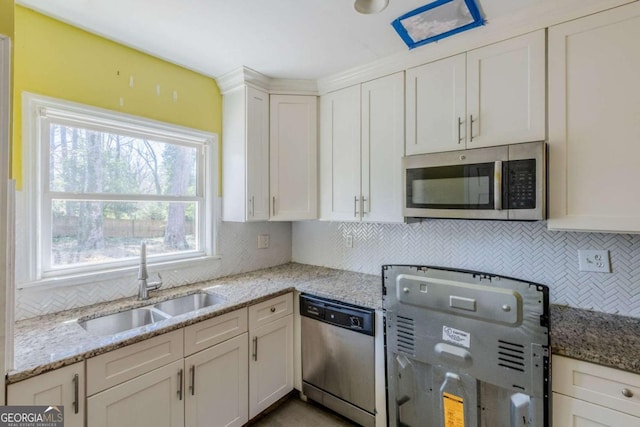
(52, 341)
(596, 337)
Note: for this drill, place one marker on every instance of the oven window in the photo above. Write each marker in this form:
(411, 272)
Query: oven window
(451, 187)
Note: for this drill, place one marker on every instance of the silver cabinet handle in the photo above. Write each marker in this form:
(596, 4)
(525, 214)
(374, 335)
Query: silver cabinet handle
(76, 394)
(255, 348)
(355, 206)
(627, 393)
(192, 385)
(362, 211)
(459, 131)
(273, 209)
(253, 206)
(497, 186)
(180, 372)
(471, 128)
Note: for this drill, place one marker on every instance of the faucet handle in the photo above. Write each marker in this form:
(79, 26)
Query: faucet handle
(152, 286)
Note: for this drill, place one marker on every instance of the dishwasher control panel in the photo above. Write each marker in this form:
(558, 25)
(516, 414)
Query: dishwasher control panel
(337, 313)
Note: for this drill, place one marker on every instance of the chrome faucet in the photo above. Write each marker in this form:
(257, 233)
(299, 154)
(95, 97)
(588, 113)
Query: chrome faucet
(143, 286)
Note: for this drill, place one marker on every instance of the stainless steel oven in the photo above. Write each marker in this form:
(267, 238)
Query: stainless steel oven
(504, 183)
(465, 349)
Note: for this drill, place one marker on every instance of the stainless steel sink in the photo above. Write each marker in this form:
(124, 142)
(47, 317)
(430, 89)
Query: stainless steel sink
(123, 321)
(137, 317)
(187, 303)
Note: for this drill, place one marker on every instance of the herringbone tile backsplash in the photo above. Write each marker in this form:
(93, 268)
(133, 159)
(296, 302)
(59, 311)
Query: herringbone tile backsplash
(238, 249)
(524, 250)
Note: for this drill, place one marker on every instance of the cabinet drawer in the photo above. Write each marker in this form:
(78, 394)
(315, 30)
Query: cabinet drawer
(601, 385)
(213, 331)
(270, 310)
(120, 365)
(570, 412)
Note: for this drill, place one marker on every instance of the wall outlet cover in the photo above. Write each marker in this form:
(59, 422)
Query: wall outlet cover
(594, 260)
(263, 241)
(348, 241)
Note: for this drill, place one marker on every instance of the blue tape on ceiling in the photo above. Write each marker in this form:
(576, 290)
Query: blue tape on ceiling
(402, 31)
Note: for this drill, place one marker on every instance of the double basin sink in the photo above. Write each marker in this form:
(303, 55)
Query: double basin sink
(142, 316)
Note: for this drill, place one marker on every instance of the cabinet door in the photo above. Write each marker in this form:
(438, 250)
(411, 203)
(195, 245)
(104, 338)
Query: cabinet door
(436, 106)
(150, 400)
(217, 385)
(64, 386)
(271, 364)
(340, 154)
(257, 155)
(594, 122)
(382, 148)
(294, 157)
(570, 412)
(506, 92)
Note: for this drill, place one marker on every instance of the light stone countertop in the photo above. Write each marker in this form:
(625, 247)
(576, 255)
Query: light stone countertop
(52, 341)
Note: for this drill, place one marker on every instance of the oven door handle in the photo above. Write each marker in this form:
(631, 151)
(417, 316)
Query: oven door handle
(497, 186)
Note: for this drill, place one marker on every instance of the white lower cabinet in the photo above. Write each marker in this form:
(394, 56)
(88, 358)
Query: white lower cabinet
(588, 395)
(198, 376)
(217, 382)
(570, 412)
(150, 400)
(271, 362)
(201, 381)
(64, 386)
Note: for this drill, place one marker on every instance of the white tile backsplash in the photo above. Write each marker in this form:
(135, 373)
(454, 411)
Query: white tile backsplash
(238, 247)
(524, 250)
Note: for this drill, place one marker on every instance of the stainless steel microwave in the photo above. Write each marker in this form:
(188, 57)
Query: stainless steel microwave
(504, 183)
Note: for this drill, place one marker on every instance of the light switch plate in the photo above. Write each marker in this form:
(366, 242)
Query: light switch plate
(594, 260)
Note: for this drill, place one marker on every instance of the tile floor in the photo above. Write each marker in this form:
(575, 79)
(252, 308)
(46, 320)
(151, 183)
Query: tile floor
(296, 413)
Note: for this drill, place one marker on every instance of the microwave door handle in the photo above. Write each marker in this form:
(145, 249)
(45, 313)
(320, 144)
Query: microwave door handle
(497, 185)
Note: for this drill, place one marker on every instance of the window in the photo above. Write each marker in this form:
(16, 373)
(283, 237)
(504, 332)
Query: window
(100, 182)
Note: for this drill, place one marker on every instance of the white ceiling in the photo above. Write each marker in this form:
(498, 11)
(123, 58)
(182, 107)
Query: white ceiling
(302, 39)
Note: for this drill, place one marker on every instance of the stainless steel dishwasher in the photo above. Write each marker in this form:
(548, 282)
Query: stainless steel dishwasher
(338, 357)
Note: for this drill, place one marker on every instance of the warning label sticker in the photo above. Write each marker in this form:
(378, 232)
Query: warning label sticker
(453, 410)
(456, 336)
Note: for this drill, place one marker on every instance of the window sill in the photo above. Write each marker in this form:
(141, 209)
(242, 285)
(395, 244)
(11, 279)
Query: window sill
(117, 273)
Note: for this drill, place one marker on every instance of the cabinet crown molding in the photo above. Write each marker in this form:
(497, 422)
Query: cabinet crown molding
(247, 76)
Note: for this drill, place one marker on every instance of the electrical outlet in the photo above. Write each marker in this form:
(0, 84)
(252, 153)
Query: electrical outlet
(263, 241)
(348, 240)
(594, 260)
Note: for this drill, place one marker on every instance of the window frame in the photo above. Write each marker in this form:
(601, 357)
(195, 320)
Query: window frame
(38, 113)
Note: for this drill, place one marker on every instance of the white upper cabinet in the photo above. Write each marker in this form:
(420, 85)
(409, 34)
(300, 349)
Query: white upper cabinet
(245, 153)
(340, 154)
(361, 148)
(506, 84)
(293, 157)
(594, 122)
(489, 96)
(382, 148)
(436, 106)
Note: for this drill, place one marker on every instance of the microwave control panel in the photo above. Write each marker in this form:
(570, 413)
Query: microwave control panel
(520, 187)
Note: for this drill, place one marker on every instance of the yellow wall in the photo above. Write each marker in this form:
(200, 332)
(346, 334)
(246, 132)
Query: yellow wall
(62, 61)
(6, 17)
